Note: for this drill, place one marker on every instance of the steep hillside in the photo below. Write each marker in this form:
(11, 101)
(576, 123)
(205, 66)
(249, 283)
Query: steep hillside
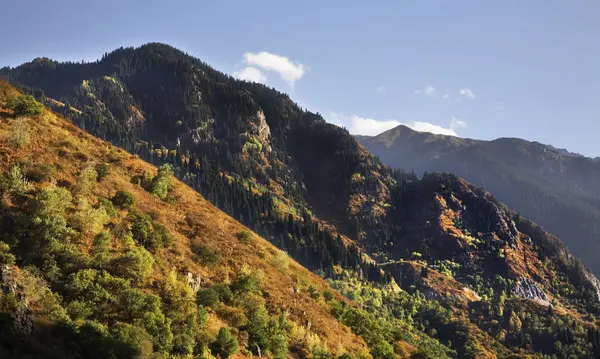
(431, 261)
(94, 265)
(558, 189)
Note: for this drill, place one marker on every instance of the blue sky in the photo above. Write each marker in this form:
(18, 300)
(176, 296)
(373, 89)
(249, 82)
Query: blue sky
(480, 69)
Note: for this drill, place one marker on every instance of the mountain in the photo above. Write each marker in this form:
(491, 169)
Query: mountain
(558, 189)
(94, 264)
(433, 267)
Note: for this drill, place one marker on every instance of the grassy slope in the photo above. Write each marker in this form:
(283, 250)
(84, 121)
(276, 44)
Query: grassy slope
(190, 218)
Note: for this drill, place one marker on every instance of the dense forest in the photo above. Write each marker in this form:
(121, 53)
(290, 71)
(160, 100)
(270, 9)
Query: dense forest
(436, 256)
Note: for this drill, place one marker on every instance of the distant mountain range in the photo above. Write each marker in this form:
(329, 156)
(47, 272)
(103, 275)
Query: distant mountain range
(554, 187)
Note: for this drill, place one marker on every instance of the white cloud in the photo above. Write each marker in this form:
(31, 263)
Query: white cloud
(456, 123)
(446, 96)
(466, 93)
(368, 126)
(380, 89)
(429, 91)
(289, 71)
(430, 127)
(250, 74)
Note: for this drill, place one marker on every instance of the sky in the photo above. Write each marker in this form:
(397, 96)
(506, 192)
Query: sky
(469, 68)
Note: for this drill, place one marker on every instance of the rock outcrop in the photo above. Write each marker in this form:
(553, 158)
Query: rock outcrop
(528, 289)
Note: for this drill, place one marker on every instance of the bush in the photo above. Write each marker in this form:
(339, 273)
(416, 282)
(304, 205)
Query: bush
(41, 173)
(123, 200)
(245, 236)
(53, 202)
(136, 337)
(25, 106)
(207, 298)
(207, 255)
(14, 182)
(223, 291)
(247, 280)
(232, 315)
(89, 219)
(160, 184)
(225, 345)
(102, 169)
(18, 133)
(135, 265)
(6, 257)
(108, 206)
(153, 236)
(314, 293)
(86, 180)
(161, 237)
(281, 262)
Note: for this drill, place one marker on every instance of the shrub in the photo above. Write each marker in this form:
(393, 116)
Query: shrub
(258, 323)
(79, 310)
(108, 206)
(245, 236)
(86, 180)
(153, 236)
(18, 133)
(25, 105)
(206, 255)
(183, 344)
(123, 200)
(160, 184)
(101, 242)
(247, 280)
(15, 183)
(202, 316)
(161, 237)
(53, 202)
(135, 265)
(6, 257)
(314, 293)
(328, 295)
(223, 291)
(279, 345)
(232, 315)
(225, 345)
(137, 338)
(207, 298)
(102, 169)
(281, 262)
(41, 172)
(89, 219)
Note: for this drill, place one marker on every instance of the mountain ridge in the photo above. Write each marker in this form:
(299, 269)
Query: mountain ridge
(549, 183)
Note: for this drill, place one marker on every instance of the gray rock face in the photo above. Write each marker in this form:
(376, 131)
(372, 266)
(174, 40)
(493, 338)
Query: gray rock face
(595, 282)
(529, 289)
(194, 281)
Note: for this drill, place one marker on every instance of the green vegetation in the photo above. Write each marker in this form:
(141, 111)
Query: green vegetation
(159, 186)
(25, 106)
(18, 134)
(102, 170)
(123, 200)
(152, 236)
(206, 255)
(225, 345)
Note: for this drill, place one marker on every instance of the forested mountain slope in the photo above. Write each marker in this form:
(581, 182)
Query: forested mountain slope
(436, 260)
(555, 188)
(94, 265)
